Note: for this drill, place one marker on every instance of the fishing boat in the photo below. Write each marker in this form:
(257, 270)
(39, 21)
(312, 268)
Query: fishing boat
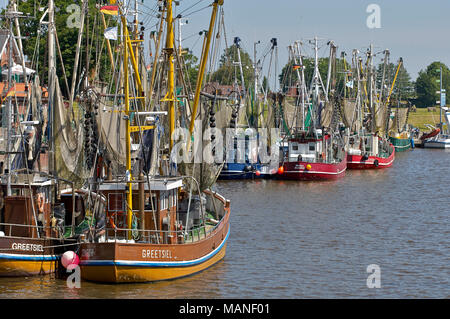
(159, 225)
(369, 152)
(368, 146)
(315, 153)
(243, 161)
(401, 141)
(40, 211)
(310, 158)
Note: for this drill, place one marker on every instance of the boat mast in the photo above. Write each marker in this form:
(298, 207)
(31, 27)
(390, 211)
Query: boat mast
(238, 48)
(10, 14)
(440, 95)
(256, 76)
(51, 84)
(302, 79)
(371, 81)
(170, 96)
(202, 68)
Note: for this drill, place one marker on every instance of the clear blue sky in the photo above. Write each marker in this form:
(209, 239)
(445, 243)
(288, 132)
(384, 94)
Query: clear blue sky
(417, 30)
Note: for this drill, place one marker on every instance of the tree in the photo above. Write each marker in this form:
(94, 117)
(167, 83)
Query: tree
(191, 68)
(403, 87)
(427, 84)
(66, 13)
(228, 72)
(288, 77)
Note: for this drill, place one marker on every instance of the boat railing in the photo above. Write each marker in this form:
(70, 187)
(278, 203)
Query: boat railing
(181, 236)
(10, 230)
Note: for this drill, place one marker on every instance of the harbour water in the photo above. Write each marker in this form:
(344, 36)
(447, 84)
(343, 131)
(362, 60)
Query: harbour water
(314, 240)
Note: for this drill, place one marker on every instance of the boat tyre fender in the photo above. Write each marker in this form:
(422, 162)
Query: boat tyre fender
(376, 163)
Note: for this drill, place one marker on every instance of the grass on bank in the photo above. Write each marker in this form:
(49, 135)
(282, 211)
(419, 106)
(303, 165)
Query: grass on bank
(423, 116)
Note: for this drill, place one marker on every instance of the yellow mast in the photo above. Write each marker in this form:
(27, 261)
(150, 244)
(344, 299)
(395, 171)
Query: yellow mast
(128, 54)
(110, 54)
(170, 96)
(201, 72)
(393, 82)
(128, 130)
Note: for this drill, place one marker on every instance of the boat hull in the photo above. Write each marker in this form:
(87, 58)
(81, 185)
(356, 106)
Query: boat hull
(317, 171)
(26, 257)
(373, 162)
(400, 144)
(135, 271)
(125, 262)
(437, 142)
(234, 171)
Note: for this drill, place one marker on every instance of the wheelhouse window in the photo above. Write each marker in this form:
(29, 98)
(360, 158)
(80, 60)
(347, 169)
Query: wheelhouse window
(164, 200)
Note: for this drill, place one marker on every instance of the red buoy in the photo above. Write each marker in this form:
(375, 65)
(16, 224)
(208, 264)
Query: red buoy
(257, 173)
(281, 170)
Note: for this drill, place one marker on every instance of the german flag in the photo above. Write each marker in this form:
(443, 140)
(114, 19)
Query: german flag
(11, 92)
(111, 10)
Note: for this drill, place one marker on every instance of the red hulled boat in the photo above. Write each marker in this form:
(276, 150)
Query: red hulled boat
(313, 159)
(370, 152)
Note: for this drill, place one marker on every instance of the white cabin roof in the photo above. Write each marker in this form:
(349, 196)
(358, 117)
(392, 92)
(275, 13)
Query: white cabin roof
(163, 184)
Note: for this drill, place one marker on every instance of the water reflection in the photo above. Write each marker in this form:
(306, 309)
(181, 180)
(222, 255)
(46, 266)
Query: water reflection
(313, 240)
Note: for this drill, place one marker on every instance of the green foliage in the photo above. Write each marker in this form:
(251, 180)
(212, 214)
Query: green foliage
(427, 84)
(67, 37)
(288, 77)
(227, 73)
(403, 88)
(191, 68)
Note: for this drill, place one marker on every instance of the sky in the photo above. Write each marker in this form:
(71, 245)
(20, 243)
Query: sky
(417, 30)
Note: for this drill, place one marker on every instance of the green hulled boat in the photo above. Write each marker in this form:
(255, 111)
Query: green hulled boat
(401, 142)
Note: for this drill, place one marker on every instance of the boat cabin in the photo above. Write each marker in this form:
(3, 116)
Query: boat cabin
(29, 213)
(311, 150)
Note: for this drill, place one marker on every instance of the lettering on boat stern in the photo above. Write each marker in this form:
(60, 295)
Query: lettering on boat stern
(87, 253)
(157, 254)
(27, 247)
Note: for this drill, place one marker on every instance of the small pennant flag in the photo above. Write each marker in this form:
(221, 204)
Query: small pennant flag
(297, 66)
(349, 84)
(111, 33)
(112, 10)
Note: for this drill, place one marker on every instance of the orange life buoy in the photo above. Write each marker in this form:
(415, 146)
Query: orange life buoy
(111, 221)
(40, 202)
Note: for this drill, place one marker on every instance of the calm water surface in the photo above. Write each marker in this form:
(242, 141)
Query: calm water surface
(314, 240)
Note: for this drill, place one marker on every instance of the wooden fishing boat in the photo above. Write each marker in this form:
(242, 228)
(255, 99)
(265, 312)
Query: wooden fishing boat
(171, 242)
(159, 225)
(34, 233)
(38, 210)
